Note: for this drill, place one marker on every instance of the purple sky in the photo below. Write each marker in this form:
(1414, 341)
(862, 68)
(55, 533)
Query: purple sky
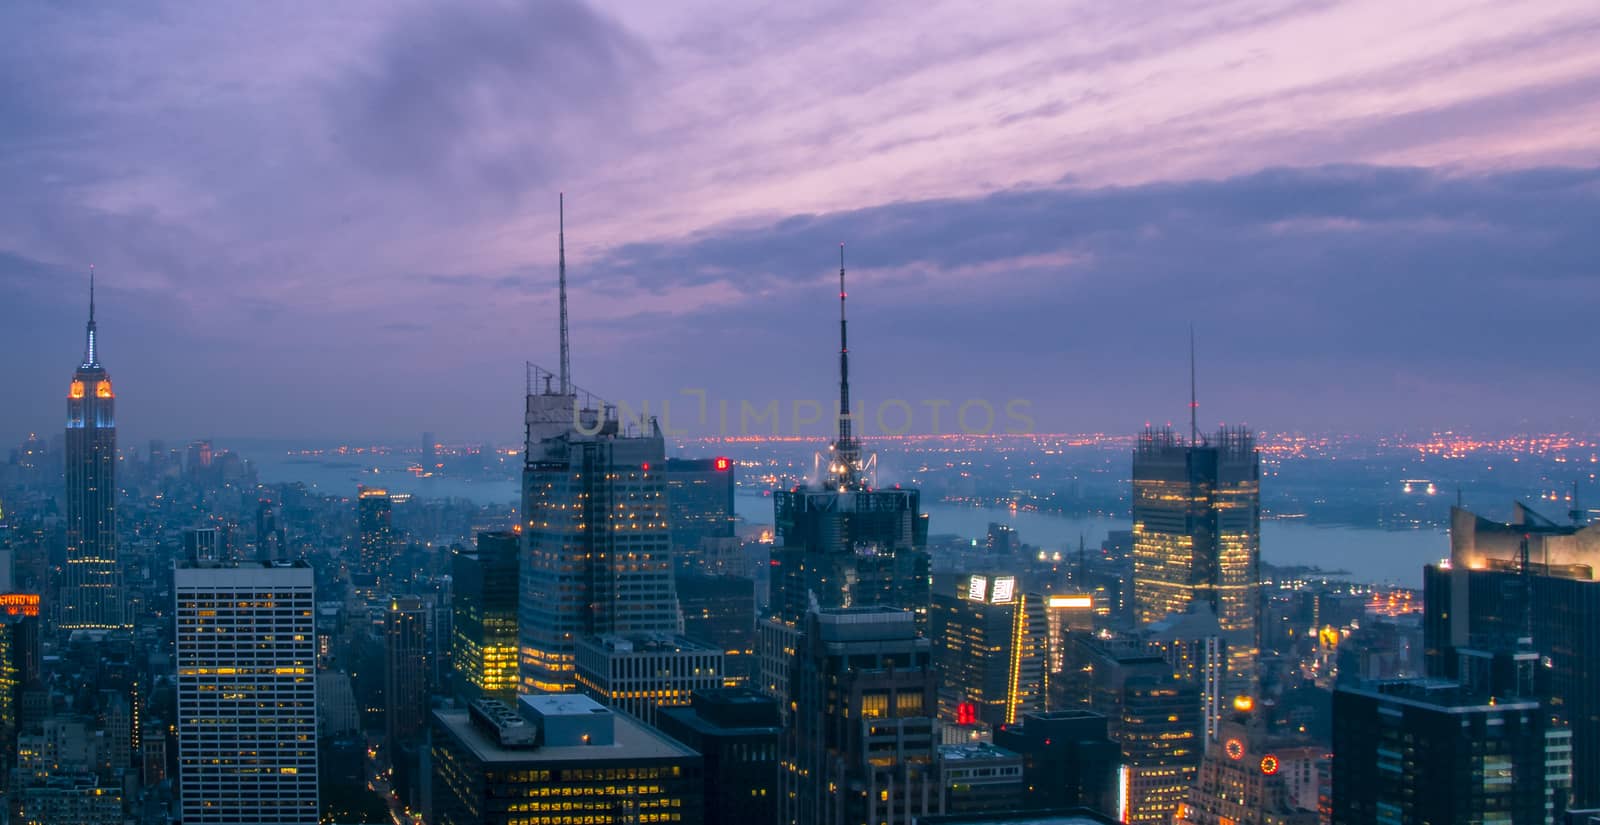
(339, 219)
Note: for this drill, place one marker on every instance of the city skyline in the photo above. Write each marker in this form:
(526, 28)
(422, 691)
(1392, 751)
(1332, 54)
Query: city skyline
(1327, 224)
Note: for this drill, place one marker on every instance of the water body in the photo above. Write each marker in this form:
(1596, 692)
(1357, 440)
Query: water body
(1369, 555)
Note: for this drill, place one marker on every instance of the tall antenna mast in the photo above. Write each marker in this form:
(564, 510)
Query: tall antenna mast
(561, 241)
(1194, 403)
(89, 355)
(846, 454)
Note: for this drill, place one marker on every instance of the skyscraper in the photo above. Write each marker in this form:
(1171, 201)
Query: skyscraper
(92, 596)
(1530, 577)
(864, 744)
(247, 719)
(841, 542)
(597, 546)
(700, 502)
(990, 647)
(1197, 536)
(484, 627)
(1439, 752)
(375, 522)
(405, 668)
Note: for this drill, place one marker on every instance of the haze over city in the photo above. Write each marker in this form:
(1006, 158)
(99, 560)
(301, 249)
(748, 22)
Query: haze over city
(342, 223)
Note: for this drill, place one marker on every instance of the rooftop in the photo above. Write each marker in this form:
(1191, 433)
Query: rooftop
(633, 740)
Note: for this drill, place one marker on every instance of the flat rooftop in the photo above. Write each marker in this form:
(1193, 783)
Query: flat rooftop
(633, 740)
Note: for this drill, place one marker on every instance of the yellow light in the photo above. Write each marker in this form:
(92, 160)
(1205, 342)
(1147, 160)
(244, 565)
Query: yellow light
(102, 389)
(1244, 704)
(76, 391)
(1059, 602)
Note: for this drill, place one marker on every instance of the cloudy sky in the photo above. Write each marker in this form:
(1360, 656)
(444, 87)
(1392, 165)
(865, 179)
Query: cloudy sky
(338, 220)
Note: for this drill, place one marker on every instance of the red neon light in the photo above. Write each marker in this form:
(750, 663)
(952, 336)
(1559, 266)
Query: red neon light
(722, 463)
(966, 714)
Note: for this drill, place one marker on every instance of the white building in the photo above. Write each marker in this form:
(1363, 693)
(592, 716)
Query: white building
(247, 720)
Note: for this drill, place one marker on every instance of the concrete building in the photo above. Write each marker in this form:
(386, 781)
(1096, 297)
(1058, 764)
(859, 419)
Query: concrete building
(558, 760)
(247, 698)
(639, 674)
(739, 733)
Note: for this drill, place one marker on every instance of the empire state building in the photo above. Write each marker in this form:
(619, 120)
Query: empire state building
(91, 597)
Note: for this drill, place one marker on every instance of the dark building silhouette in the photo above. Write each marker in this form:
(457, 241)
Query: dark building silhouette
(91, 595)
(738, 732)
(700, 504)
(1482, 593)
(1197, 536)
(1437, 752)
(483, 649)
(405, 668)
(1068, 760)
(720, 611)
(863, 745)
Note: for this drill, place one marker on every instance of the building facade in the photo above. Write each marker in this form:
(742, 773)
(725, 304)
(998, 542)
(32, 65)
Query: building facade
(739, 733)
(247, 699)
(483, 649)
(640, 674)
(1197, 536)
(405, 669)
(92, 596)
(700, 506)
(558, 760)
(991, 649)
(863, 745)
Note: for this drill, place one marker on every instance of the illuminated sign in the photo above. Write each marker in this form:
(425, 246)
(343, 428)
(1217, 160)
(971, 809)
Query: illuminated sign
(966, 714)
(1243, 703)
(722, 463)
(20, 604)
(1005, 588)
(1234, 748)
(977, 587)
(1269, 764)
(1071, 602)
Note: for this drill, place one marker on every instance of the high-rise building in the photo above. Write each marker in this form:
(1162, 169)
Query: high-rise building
(1154, 715)
(1068, 760)
(640, 674)
(1484, 591)
(597, 544)
(841, 542)
(990, 642)
(92, 595)
(700, 505)
(19, 665)
(720, 611)
(1192, 642)
(738, 732)
(405, 668)
(864, 742)
(558, 760)
(247, 719)
(375, 522)
(1435, 751)
(484, 625)
(1197, 536)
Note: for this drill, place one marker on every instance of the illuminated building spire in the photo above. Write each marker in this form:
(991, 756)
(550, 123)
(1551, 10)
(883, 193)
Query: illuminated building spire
(561, 241)
(90, 359)
(846, 464)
